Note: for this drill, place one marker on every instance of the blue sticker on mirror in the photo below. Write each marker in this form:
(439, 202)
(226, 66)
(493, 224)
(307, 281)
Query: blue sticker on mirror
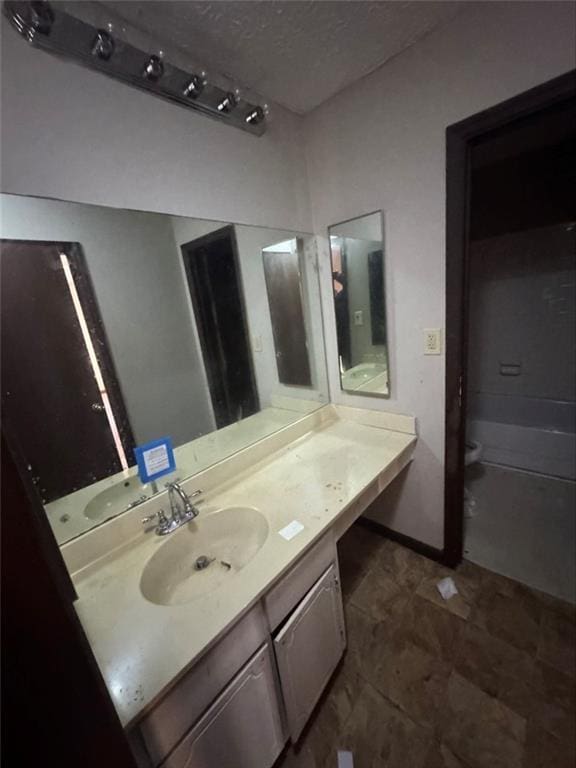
(155, 459)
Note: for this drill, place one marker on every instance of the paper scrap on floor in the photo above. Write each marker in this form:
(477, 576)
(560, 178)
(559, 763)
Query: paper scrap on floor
(345, 759)
(447, 588)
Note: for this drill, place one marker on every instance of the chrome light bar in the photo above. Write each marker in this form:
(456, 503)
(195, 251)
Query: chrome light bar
(60, 33)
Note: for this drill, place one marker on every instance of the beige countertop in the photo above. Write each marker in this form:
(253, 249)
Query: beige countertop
(141, 647)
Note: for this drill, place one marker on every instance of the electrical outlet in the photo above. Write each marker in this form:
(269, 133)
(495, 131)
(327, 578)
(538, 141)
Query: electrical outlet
(432, 341)
(359, 317)
(257, 343)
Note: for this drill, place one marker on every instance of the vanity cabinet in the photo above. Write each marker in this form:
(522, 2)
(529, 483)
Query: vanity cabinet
(181, 708)
(242, 728)
(308, 647)
(237, 706)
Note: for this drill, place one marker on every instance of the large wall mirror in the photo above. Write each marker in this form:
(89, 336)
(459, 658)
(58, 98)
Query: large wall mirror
(121, 327)
(358, 284)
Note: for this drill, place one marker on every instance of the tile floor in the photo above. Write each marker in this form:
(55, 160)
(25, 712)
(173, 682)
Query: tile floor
(485, 680)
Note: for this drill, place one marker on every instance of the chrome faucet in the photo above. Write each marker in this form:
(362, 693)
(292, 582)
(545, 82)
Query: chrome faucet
(182, 510)
(188, 511)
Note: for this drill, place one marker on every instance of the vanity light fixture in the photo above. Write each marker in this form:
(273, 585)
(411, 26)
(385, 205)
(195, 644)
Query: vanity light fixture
(194, 87)
(38, 17)
(42, 16)
(228, 103)
(154, 69)
(255, 116)
(55, 31)
(103, 46)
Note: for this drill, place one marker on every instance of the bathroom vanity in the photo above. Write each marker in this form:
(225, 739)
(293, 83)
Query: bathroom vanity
(215, 640)
(238, 652)
(260, 682)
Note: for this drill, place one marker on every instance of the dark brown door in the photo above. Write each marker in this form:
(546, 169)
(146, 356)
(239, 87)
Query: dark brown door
(214, 281)
(282, 274)
(53, 407)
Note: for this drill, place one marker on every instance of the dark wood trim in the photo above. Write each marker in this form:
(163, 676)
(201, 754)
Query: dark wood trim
(459, 138)
(457, 181)
(56, 709)
(407, 541)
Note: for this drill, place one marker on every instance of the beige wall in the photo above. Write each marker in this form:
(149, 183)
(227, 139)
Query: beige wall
(522, 314)
(74, 134)
(381, 144)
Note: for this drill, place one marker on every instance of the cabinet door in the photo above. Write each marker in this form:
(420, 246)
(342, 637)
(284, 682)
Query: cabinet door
(185, 704)
(309, 647)
(242, 729)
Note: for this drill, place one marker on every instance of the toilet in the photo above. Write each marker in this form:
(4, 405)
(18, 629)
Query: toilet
(472, 452)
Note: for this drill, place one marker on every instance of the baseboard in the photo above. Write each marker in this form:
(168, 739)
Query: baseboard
(407, 541)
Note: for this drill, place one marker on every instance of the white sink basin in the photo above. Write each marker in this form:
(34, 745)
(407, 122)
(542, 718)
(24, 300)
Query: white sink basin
(203, 555)
(366, 376)
(116, 499)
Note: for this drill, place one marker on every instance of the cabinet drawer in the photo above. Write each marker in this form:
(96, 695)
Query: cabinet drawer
(242, 729)
(190, 697)
(309, 647)
(292, 587)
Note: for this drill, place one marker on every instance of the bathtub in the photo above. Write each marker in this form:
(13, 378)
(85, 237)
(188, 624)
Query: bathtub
(524, 491)
(525, 433)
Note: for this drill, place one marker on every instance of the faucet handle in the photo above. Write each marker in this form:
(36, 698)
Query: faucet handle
(162, 520)
(195, 493)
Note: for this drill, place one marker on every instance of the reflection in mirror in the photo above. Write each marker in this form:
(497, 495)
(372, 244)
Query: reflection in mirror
(121, 327)
(213, 278)
(284, 288)
(358, 283)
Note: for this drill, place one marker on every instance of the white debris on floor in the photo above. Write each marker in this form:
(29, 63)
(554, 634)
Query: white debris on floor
(447, 588)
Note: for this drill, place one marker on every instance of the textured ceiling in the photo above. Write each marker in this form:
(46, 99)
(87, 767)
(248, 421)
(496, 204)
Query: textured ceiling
(295, 53)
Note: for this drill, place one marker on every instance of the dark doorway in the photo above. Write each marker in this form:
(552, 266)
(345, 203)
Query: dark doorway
(214, 280)
(341, 304)
(377, 293)
(508, 168)
(50, 390)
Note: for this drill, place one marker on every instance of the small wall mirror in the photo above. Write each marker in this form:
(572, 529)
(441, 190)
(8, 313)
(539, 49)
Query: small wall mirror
(358, 284)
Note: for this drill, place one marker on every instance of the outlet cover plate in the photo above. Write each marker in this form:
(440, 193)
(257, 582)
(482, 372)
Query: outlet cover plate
(432, 341)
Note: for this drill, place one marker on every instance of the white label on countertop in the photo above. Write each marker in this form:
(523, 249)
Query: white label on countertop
(291, 530)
